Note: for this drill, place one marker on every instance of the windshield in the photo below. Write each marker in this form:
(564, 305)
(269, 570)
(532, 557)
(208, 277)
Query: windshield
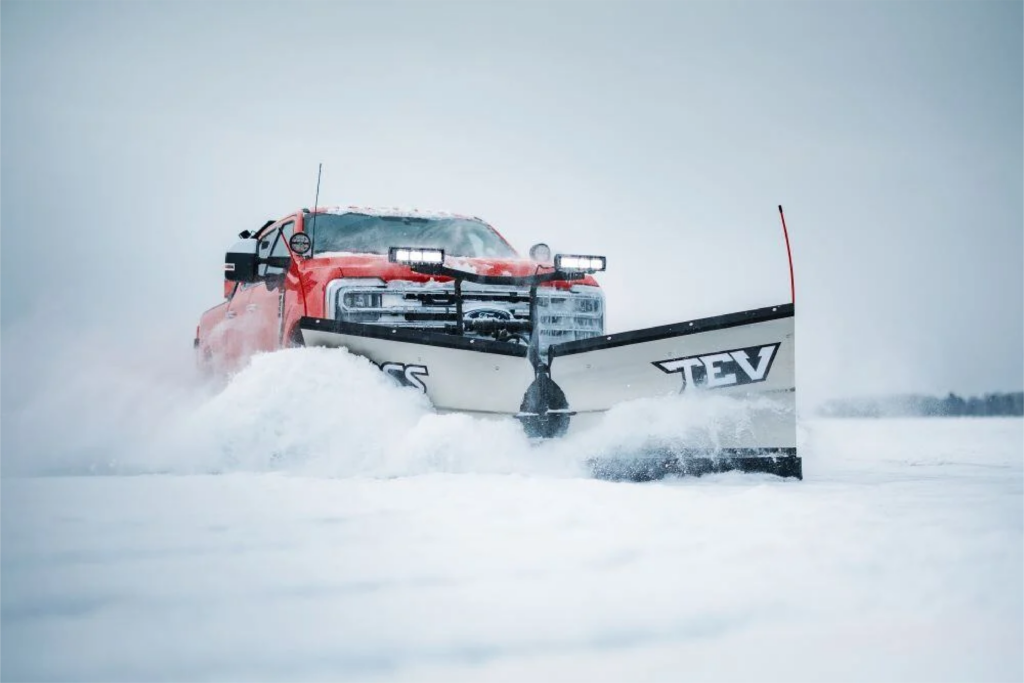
(362, 233)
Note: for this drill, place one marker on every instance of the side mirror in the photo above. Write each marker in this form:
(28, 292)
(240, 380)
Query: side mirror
(240, 261)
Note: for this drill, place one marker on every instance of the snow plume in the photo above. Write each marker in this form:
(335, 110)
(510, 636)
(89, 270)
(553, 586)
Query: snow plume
(97, 406)
(328, 412)
(101, 407)
(672, 423)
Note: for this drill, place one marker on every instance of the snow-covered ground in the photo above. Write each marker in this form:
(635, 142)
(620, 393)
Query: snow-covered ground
(236, 537)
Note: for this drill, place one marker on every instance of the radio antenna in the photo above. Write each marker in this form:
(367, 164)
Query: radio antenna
(316, 201)
(312, 235)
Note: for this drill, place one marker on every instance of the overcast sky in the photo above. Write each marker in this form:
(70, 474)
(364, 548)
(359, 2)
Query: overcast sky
(139, 137)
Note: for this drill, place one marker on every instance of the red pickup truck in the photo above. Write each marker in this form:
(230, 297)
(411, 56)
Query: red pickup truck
(344, 274)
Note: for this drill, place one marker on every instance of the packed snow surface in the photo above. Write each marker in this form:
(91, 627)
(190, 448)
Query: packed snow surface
(310, 520)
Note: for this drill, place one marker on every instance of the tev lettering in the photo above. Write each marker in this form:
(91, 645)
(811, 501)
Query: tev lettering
(723, 369)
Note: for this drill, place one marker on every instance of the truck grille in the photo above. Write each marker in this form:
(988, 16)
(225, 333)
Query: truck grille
(563, 315)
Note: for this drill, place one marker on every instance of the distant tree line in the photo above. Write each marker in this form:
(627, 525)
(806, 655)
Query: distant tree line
(915, 405)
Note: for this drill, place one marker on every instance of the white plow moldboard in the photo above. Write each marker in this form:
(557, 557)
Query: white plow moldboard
(457, 374)
(746, 355)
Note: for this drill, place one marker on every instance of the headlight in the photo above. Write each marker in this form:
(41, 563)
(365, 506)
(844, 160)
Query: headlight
(345, 297)
(362, 300)
(586, 323)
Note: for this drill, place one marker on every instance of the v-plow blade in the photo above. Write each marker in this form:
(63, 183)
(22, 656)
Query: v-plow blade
(747, 356)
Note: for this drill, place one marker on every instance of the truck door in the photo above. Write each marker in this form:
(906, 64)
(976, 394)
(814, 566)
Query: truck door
(263, 307)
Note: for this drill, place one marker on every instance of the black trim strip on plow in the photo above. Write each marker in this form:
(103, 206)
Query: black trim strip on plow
(757, 315)
(654, 465)
(412, 336)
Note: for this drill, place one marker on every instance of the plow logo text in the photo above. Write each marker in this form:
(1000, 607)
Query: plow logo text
(723, 369)
(407, 375)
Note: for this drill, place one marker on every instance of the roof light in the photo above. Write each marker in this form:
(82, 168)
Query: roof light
(414, 256)
(579, 264)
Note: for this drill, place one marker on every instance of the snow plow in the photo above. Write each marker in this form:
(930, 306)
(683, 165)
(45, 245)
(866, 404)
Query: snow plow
(445, 306)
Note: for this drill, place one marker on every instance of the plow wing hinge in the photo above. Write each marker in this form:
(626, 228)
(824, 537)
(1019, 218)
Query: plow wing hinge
(544, 411)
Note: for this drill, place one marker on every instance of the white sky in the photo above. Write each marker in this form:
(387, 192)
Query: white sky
(139, 138)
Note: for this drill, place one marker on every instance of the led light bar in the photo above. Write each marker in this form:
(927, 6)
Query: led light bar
(416, 256)
(579, 264)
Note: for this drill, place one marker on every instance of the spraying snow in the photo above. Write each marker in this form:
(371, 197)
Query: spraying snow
(331, 413)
